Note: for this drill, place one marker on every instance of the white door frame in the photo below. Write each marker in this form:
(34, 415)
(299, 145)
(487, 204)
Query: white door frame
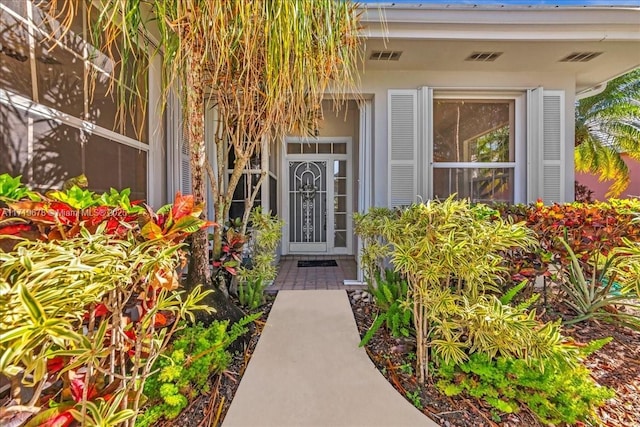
(329, 158)
(365, 175)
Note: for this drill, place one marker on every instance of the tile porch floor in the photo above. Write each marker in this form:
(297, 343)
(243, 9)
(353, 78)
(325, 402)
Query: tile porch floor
(292, 277)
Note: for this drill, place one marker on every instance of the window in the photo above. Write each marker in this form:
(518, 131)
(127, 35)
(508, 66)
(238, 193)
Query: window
(58, 118)
(474, 149)
(246, 185)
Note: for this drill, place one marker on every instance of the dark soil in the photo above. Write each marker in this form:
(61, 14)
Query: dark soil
(617, 365)
(209, 410)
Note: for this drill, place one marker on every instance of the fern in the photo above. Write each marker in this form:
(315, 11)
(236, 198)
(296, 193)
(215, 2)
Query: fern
(373, 329)
(511, 293)
(390, 297)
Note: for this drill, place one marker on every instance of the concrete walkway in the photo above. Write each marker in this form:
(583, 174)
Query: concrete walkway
(307, 370)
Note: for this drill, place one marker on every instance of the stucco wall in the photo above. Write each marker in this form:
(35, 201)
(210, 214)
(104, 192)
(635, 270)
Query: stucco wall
(377, 83)
(600, 188)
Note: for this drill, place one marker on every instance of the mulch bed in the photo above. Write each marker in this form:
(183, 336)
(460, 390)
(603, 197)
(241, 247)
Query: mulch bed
(209, 410)
(617, 365)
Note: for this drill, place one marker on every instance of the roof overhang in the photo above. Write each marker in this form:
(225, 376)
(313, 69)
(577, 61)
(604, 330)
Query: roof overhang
(440, 37)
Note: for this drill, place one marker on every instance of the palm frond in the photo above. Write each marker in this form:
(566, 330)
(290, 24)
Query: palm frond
(608, 124)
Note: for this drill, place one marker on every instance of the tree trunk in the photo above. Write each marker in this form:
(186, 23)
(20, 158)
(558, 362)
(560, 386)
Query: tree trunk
(199, 267)
(219, 206)
(199, 270)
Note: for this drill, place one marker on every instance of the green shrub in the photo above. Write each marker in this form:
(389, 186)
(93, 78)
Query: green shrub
(451, 254)
(461, 327)
(266, 231)
(593, 295)
(88, 288)
(185, 368)
(555, 394)
(390, 296)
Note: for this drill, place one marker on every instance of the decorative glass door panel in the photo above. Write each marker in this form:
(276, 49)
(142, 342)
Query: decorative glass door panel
(340, 211)
(308, 206)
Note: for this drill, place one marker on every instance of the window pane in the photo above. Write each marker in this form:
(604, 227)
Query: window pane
(324, 148)
(113, 165)
(340, 148)
(473, 130)
(273, 195)
(54, 156)
(340, 168)
(241, 192)
(479, 185)
(105, 102)
(15, 68)
(13, 142)
(57, 153)
(59, 64)
(293, 148)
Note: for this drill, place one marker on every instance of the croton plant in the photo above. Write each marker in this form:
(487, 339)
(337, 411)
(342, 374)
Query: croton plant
(588, 228)
(89, 298)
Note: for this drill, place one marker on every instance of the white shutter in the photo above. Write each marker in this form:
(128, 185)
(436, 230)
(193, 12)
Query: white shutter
(425, 142)
(185, 166)
(553, 147)
(403, 147)
(534, 144)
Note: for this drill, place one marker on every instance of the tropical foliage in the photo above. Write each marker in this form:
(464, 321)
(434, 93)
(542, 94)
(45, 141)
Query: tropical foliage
(196, 353)
(586, 249)
(464, 266)
(266, 231)
(264, 65)
(89, 299)
(607, 125)
(554, 393)
(390, 294)
(451, 255)
(598, 295)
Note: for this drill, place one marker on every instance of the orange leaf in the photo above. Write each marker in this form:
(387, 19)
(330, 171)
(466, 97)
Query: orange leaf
(151, 231)
(182, 206)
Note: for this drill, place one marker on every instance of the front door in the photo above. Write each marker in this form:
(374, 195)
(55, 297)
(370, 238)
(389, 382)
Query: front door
(308, 206)
(319, 211)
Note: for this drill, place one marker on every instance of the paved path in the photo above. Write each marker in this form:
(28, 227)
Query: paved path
(307, 370)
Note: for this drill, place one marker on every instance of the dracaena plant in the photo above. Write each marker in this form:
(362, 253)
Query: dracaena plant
(52, 291)
(90, 301)
(266, 231)
(451, 254)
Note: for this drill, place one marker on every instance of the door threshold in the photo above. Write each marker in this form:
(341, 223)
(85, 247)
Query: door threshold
(350, 282)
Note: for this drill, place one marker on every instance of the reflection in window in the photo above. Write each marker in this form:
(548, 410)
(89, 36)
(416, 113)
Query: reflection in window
(15, 68)
(479, 184)
(469, 132)
(60, 152)
(71, 77)
(473, 131)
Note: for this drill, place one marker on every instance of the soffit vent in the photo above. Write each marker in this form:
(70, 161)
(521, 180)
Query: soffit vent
(385, 55)
(483, 56)
(580, 56)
